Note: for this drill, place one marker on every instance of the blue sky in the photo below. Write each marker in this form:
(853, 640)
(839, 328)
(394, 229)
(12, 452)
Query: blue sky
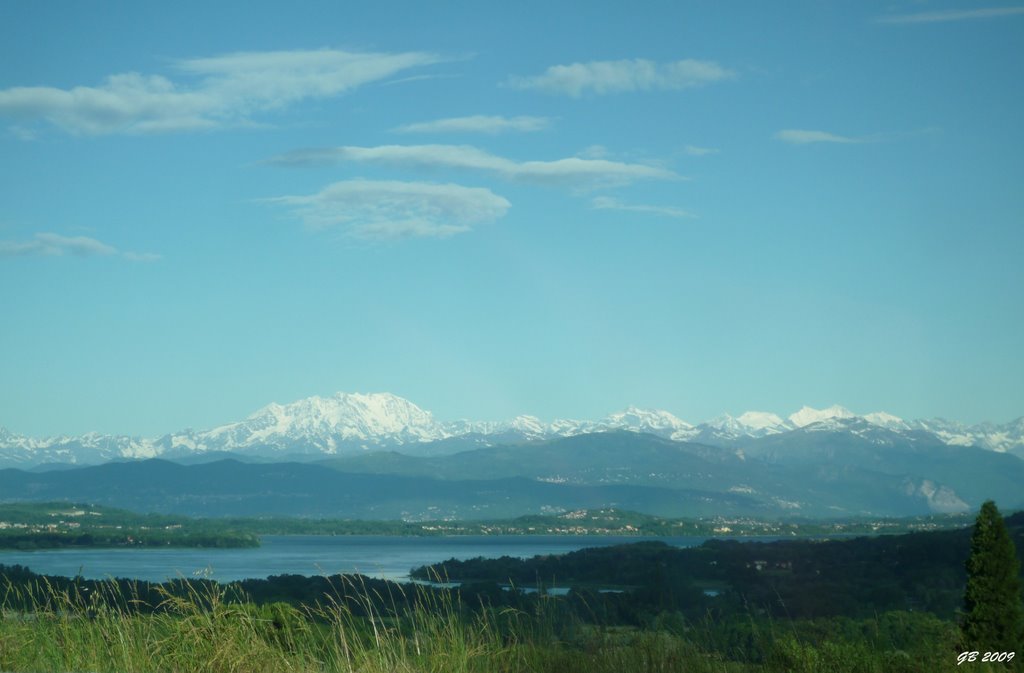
(509, 208)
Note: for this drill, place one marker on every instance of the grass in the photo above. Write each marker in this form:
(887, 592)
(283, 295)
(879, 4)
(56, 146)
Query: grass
(202, 626)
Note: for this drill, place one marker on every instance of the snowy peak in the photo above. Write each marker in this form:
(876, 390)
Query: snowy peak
(887, 421)
(365, 414)
(808, 415)
(530, 426)
(747, 424)
(328, 421)
(760, 420)
(634, 417)
(654, 421)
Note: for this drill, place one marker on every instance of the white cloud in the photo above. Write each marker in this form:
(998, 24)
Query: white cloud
(573, 171)
(49, 244)
(804, 137)
(609, 203)
(953, 15)
(477, 124)
(604, 77)
(694, 151)
(388, 209)
(223, 90)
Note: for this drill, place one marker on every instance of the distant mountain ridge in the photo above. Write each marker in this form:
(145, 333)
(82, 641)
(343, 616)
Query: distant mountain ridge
(353, 423)
(232, 488)
(810, 472)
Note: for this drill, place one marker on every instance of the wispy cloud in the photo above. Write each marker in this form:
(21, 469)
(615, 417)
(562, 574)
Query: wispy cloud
(218, 91)
(953, 15)
(22, 133)
(387, 209)
(805, 137)
(605, 77)
(609, 203)
(141, 256)
(594, 152)
(478, 124)
(54, 245)
(419, 78)
(694, 151)
(572, 171)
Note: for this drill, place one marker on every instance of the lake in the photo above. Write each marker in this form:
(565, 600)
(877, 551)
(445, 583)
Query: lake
(382, 556)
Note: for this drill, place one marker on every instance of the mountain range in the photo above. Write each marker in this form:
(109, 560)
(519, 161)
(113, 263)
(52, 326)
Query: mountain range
(811, 473)
(353, 423)
(380, 456)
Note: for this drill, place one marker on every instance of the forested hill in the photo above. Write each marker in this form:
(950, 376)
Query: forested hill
(797, 579)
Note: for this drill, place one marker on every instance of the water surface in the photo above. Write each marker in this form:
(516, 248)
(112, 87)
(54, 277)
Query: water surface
(383, 556)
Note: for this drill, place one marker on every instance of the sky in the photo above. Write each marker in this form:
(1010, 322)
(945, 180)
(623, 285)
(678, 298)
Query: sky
(493, 209)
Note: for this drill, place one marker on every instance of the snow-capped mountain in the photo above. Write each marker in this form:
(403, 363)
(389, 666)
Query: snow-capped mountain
(809, 416)
(523, 428)
(726, 429)
(888, 421)
(1008, 437)
(20, 451)
(315, 425)
(325, 424)
(347, 423)
(653, 421)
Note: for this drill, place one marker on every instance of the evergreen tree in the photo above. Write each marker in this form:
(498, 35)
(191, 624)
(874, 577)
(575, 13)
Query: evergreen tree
(994, 616)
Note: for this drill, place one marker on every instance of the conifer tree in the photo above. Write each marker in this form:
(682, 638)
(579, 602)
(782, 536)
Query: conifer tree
(994, 619)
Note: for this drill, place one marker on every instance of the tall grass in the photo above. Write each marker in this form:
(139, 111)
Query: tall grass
(203, 626)
(206, 628)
